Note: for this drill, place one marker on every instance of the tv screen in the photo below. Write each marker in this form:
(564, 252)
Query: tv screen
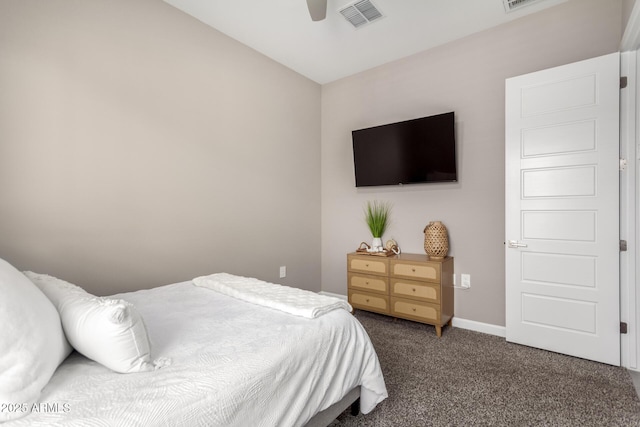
(410, 152)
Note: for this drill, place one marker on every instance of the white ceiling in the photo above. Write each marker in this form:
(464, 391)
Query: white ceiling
(331, 49)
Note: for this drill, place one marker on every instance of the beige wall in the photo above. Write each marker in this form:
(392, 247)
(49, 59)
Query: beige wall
(139, 147)
(468, 77)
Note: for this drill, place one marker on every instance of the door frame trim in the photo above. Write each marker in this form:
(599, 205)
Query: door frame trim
(629, 209)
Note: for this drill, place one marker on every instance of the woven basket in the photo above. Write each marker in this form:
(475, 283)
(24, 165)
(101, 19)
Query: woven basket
(436, 241)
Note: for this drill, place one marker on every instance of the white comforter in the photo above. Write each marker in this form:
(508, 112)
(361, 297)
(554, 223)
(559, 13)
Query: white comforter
(233, 364)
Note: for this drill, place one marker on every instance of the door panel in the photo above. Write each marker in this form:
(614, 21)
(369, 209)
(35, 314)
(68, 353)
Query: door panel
(549, 312)
(559, 182)
(561, 94)
(559, 269)
(568, 226)
(558, 139)
(562, 209)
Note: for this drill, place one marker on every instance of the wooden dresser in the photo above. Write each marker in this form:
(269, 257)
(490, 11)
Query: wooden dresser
(407, 286)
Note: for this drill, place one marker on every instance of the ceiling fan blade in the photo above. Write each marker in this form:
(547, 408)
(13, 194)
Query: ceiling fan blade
(317, 9)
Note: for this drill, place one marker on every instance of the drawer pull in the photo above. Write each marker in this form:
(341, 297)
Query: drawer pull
(366, 283)
(367, 299)
(413, 270)
(414, 309)
(366, 265)
(414, 289)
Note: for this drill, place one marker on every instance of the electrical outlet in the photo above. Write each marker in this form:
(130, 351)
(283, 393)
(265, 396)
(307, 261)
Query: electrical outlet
(465, 280)
(283, 271)
(454, 280)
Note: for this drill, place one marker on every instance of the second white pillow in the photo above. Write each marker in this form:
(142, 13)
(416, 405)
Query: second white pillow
(109, 331)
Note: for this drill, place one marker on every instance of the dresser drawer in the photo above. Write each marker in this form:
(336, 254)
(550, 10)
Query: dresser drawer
(369, 302)
(368, 264)
(423, 291)
(357, 281)
(415, 310)
(421, 271)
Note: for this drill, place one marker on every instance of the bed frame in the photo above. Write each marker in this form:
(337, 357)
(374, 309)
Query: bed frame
(324, 418)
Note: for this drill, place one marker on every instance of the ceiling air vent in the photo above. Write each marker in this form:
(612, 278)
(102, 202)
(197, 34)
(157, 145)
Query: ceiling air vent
(361, 13)
(511, 5)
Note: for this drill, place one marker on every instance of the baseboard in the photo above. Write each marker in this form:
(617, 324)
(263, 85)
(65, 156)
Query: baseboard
(472, 325)
(485, 328)
(331, 294)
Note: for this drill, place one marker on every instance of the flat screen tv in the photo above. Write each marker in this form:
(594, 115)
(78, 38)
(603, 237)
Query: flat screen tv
(414, 151)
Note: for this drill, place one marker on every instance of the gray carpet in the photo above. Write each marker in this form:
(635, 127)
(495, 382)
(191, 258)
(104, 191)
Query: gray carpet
(467, 378)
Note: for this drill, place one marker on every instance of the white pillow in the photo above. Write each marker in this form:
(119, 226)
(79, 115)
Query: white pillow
(32, 343)
(109, 331)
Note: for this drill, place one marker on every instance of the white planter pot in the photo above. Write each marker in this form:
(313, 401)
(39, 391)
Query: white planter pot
(376, 244)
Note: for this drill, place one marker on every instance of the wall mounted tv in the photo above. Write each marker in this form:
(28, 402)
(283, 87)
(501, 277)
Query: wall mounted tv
(410, 152)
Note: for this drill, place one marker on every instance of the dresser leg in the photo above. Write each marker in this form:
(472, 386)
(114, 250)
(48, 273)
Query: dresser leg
(439, 331)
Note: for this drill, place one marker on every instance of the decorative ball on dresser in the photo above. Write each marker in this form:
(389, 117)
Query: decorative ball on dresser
(436, 240)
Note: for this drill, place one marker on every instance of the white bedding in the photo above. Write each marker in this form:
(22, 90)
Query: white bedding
(233, 364)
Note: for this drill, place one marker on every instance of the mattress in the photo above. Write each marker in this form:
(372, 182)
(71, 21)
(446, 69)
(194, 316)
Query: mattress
(233, 363)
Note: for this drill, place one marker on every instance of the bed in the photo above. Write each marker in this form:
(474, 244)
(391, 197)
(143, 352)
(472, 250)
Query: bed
(213, 360)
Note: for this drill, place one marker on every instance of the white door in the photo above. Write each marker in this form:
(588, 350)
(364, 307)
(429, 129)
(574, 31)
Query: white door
(562, 211)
